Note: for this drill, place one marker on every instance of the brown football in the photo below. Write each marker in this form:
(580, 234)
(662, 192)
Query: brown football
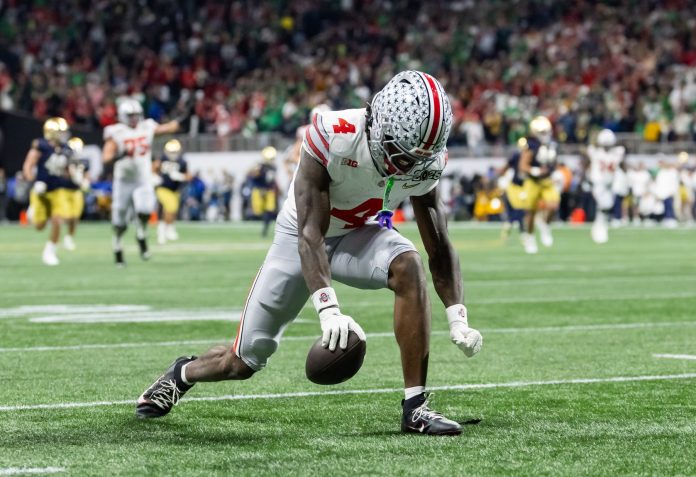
(333, 367)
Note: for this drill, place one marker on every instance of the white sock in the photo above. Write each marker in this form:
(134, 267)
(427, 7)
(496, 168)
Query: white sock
(51, 246)
(414, 391)
(183, 373)
(116, 243)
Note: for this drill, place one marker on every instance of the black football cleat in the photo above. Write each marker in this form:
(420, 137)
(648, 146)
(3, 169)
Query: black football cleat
(162, 396)
(419, 419)
(118, 258)
(144, 252)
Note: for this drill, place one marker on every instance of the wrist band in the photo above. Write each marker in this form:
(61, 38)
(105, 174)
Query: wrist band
(324, 298)
(457, 313)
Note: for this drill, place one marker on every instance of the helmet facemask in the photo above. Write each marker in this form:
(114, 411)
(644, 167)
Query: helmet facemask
(399, 162)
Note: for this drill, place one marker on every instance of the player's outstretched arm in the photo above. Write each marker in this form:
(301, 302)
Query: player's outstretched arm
(313, 206)
(109, 151)
(170, 127)
(444, 267)
(442, 259)
(312, 200)
(30, 161)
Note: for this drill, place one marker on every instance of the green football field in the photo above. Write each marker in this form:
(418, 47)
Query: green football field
(588, 365)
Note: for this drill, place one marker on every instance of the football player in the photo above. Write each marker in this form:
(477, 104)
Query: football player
(264, 189)
(128, 144)
(541, 196)
(173, 172)
(356, 166)
(514, 198)
(77, 169)
(604, 158)
(46, 163)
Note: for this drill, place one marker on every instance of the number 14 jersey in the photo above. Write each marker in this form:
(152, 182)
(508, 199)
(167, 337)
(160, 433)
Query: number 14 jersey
(338, 141)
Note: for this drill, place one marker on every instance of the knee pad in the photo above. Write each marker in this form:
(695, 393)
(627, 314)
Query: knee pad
(257, 353)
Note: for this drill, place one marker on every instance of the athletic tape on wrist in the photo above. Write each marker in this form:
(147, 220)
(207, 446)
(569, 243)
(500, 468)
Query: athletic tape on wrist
(324, 298)
(457, 313)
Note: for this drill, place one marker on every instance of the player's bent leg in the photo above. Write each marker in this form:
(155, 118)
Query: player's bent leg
(141, 235)
(220, 363)
(412, 330)
(217, 364)
(144, 202)
(118, 231)
(411, 316)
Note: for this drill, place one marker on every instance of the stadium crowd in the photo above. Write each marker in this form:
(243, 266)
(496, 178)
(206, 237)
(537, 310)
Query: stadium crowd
(260, 66)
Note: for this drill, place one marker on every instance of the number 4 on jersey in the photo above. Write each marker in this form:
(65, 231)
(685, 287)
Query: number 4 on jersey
(343, 127)
(357, 216)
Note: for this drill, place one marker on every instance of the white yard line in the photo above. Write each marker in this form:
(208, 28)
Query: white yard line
(675, 356)
(388, 334)
(456, 387)
(30, 470)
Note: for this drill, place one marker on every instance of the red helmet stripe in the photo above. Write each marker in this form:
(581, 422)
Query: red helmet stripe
(436, 110)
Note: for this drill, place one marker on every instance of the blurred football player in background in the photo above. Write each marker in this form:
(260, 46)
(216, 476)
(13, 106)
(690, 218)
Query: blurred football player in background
(46, 163)
(541, 197)
(77, 169)
(666, 190)
(514, 198)
(605, 157)
(173, 174)
(128, 144)
(640, 181)
(357, 165)
(264, 188)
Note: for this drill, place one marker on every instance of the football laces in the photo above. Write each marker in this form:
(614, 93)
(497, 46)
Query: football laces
(166, 395)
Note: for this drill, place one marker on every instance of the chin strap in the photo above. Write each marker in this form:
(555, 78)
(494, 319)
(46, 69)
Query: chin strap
(384, 216)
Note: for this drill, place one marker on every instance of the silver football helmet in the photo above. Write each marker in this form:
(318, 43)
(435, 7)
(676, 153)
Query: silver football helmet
(606, 138)
(409, 124)
(130, 112)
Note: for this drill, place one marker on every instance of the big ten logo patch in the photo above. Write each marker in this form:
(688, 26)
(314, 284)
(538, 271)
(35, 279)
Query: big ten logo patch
(349, 162)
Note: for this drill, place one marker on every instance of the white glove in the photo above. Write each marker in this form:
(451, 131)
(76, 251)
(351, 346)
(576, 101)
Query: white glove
(334, 324)
(467, 339)
(39, 187)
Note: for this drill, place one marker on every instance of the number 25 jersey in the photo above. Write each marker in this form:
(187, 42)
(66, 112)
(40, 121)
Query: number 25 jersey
(338, 141)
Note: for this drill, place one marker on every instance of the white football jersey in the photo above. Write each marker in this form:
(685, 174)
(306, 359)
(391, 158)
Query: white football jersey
(337, 140)
(136, 145)
(604, 163)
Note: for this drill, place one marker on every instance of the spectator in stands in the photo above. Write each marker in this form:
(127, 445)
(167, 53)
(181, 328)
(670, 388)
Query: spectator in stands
(260, 66)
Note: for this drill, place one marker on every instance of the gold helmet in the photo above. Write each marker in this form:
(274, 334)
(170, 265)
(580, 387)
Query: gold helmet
(56, 130)
(76, 144)
(172, 149)
(268, 154)
(540, 128)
